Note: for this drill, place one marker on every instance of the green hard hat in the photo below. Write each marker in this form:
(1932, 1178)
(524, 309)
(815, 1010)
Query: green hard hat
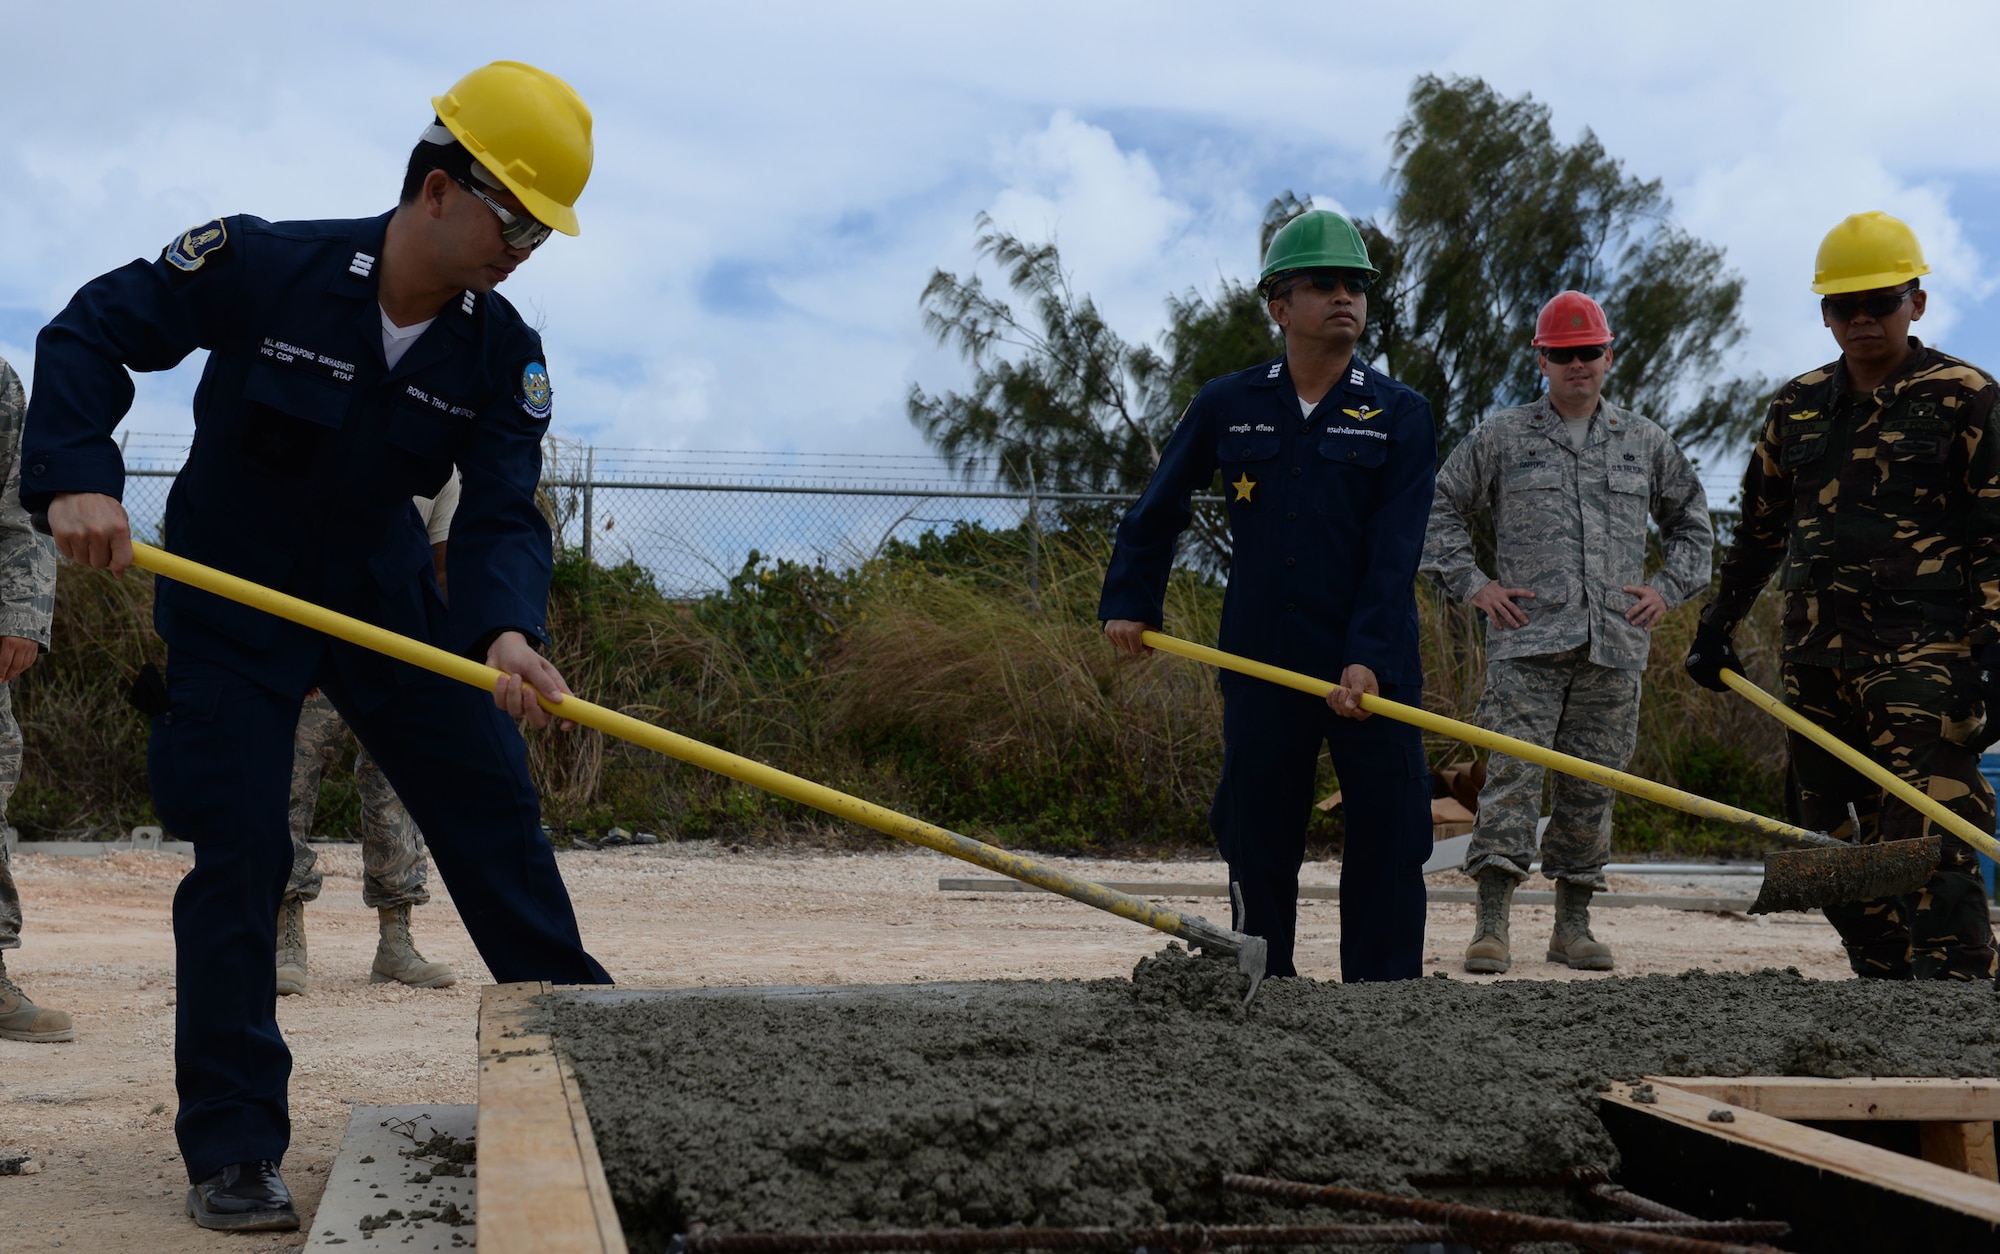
(1316, 239)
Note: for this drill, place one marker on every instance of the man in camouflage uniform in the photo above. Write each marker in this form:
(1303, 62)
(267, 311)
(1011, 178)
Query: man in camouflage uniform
(1874, 494)
(394, 869)
(1569, 482)
(27, 602)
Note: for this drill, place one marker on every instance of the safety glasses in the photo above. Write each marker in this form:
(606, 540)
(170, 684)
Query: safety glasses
(518, 230)
(1843, 308)
(1357, 282)
(1564, 356)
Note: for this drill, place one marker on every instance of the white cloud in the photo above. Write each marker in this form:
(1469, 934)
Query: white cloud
(776, 183)
(1070, 182)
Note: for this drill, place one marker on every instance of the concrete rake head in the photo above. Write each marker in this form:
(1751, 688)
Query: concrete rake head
(1807, 879)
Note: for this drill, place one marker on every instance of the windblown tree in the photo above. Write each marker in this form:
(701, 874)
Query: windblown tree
(1490, 215)
(1056, 395)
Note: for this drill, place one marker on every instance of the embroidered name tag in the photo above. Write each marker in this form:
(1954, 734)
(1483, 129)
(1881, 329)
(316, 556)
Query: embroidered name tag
(318, 364)
(438, 403)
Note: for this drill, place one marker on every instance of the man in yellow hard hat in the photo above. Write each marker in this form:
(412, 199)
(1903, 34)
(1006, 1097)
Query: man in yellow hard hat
(351, 365)
(1874, 495)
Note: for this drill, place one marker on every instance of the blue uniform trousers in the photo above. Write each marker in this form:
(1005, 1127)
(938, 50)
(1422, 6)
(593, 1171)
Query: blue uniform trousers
(1271, 743)
(221, 761)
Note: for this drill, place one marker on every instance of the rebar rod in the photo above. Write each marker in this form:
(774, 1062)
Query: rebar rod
(1634, 1204)
(1487, 1226)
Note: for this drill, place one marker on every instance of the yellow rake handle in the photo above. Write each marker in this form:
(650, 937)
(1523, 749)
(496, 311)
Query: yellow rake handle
(1701, 807)
(1870, 769)
(1191, 928)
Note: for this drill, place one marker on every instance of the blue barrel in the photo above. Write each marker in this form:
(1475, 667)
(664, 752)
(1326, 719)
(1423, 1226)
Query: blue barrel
(1989, 766)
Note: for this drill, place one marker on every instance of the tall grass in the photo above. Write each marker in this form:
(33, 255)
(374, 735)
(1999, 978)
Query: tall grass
(939, 677)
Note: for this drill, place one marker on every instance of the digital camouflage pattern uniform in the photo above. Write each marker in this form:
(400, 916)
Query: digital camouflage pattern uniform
(27, 603)
(1880, 514)
(1570, 526)
(394, 869)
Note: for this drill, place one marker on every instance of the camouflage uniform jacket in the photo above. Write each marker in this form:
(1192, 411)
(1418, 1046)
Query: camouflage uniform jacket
(27, 558)
(1880, 514)
(1570, 526)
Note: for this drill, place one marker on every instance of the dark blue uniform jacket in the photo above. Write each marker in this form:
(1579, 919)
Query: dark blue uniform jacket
(307, 448)
(1326, 516)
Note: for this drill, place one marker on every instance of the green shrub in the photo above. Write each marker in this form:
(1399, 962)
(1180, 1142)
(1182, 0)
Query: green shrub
(960, 677)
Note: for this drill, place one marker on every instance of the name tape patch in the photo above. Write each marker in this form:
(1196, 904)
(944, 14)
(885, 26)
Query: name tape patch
(305, 359)
(1373, 435)
(438, 403)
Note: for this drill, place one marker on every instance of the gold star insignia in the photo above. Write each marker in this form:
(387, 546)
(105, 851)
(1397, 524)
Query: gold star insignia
(1363, 414)
(1244, 486)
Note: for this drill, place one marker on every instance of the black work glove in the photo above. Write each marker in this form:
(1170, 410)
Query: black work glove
(1709, 655)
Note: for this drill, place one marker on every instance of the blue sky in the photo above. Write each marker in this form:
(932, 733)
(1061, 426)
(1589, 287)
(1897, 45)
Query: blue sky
(775, 183)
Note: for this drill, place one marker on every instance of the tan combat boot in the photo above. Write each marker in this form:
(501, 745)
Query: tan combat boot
(1488, 953)
(396, 956)
(292, 947)
(1573, 945)
(23, 1020)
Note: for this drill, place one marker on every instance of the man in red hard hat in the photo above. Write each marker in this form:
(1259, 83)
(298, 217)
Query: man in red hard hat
(1874, 496)
(1570, 481)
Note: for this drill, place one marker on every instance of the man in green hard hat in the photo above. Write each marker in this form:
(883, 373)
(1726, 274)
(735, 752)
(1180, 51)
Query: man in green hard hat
(1327, 465)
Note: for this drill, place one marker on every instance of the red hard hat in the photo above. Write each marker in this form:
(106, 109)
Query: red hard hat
(1571, 320)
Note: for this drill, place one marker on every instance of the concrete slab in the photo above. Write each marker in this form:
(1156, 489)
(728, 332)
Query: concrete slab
(382, 1170)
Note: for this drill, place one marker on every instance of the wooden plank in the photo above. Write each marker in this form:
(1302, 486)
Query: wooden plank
(541, 1185)
(1966, 1147)
(1702, 902)
(1822, 1151)
(1807, 1097)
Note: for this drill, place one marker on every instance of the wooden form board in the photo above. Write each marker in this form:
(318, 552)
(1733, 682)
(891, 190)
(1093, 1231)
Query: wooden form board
(541, 1183)
(1825, 1152)
(1805, 1097)
(1954, 1117)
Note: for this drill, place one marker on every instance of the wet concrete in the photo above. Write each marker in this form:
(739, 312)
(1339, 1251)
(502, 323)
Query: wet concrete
(1116, 1102)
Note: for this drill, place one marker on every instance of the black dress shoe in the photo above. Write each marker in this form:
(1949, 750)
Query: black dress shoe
(244, 1197)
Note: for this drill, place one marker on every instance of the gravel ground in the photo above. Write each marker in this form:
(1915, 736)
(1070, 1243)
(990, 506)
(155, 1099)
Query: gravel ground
(99, 1113)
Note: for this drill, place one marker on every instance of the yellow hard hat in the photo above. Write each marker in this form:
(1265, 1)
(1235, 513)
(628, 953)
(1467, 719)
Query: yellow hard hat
(1867, 251)
(529, 129)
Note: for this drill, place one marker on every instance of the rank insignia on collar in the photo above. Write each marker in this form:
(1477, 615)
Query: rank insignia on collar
(362, 266)
(1277, 367)
(1362, 414)
(1355, 377)
(1244, 486)
(536, 394)
(195, 244)
(466, 304)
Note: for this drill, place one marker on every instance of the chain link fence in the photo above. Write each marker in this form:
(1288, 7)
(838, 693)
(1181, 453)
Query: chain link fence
(693, 518)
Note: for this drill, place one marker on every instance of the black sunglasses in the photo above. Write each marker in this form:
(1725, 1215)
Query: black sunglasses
(1357, 282)
(1843, 308)
(1564, 356)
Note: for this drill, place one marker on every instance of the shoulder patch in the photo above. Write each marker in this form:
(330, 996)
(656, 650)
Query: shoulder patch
(536, 396)
(195, 244)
